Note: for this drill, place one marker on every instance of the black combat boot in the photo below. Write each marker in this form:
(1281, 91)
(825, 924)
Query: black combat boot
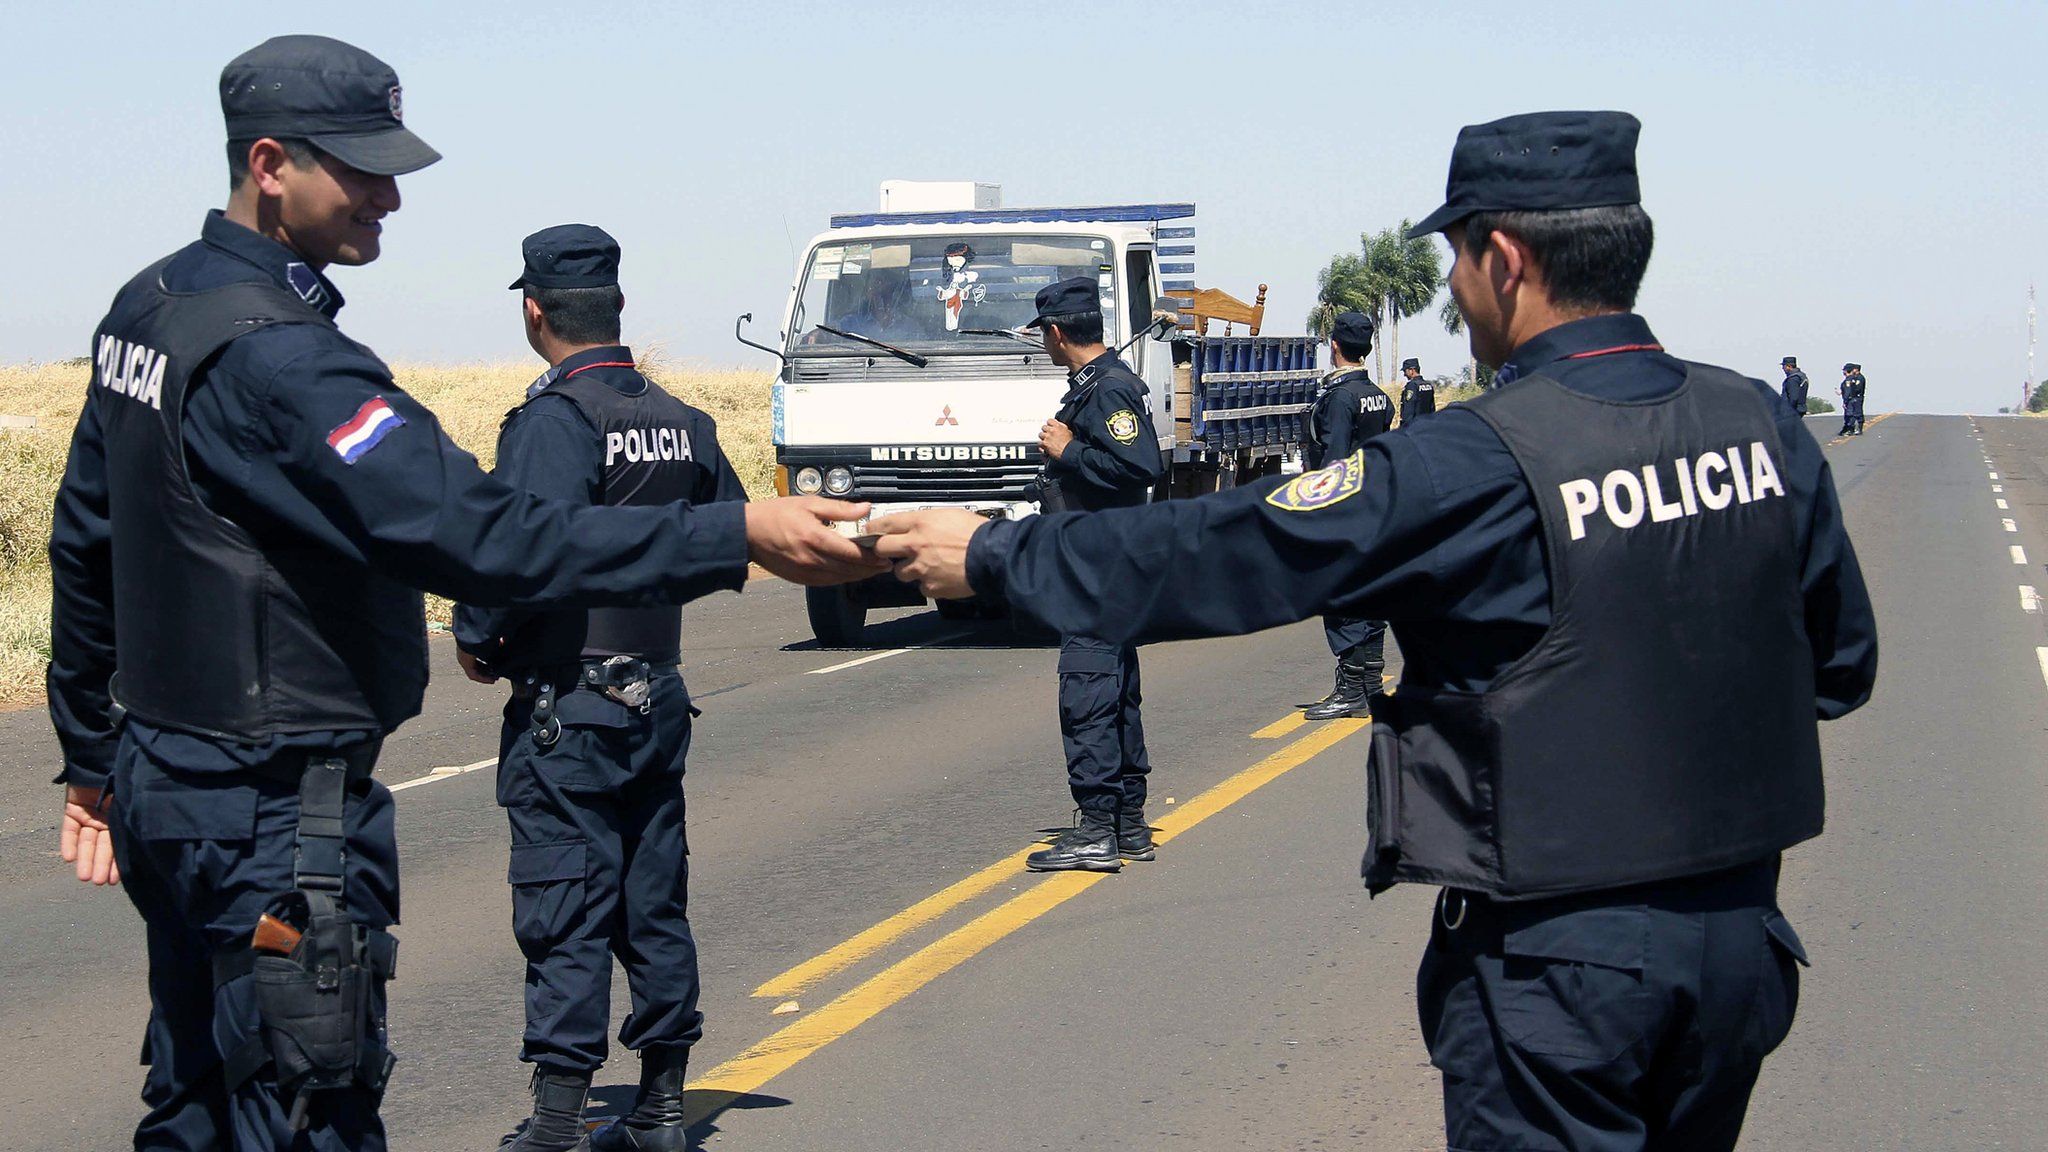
(1352, 689)
(1089, 846)
(1133, 836)
(557, 1121)
(656, 1122)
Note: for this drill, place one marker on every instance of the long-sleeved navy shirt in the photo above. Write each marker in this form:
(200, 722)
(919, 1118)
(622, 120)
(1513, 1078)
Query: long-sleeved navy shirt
(1443, 540)
(414, 507)
(549, 448)
(1113, 459)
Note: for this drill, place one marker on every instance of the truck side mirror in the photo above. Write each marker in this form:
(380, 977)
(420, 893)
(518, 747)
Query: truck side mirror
(1165, 317)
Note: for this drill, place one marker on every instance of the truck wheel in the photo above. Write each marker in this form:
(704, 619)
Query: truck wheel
(838, 619)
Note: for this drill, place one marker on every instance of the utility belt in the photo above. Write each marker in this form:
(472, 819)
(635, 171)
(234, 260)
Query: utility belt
(318, 974)
(1473, 923)
(624, 680)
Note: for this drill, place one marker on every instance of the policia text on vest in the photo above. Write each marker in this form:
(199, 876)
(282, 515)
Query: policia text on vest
(1710, 483)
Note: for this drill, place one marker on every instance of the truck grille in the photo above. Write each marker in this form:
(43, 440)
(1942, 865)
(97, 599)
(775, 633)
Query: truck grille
(942, 483)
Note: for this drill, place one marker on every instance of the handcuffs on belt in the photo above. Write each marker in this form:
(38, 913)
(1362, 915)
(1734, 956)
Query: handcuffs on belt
(624, 680)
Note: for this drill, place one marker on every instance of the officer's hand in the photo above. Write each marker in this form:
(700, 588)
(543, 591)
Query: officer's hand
(930, 548)
(474, 668)
(84, 839)
(1054, 438)
(790, 537)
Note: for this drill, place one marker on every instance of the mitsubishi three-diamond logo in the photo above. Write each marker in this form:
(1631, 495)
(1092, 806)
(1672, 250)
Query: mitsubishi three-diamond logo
(946, 417)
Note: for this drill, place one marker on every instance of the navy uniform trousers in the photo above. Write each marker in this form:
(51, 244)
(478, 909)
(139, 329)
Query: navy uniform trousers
(202, 855)
(1099, 723)
(600, 868)
(1634, 1021)
(1346, 633)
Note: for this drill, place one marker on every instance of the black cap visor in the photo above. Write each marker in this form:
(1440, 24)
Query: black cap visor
(1441, 219)
(387, 152)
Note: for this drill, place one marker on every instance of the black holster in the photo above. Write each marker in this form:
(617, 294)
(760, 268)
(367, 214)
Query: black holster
(322, 1027)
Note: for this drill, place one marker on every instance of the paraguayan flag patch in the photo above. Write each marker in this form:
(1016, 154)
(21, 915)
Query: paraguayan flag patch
(365, 430)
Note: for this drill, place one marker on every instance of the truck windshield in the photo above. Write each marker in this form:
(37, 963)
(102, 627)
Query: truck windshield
(930, 292)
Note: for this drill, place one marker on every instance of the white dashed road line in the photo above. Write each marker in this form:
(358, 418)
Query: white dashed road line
(2041, 654)
(2030, 600)
(2002, 505)
(445, 773)
(1994, 475)
(870, 659)
(2010, 526)
(2019, 554)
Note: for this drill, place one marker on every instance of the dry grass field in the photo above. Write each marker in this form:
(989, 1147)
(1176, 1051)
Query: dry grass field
(470, 400)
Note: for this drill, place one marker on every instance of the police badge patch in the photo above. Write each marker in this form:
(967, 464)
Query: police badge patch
(1123, 426)
(1322, 488)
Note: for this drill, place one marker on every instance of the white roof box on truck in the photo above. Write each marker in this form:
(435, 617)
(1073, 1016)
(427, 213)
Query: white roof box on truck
(939, 195)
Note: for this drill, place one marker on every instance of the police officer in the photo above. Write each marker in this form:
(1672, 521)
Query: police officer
(1599, 764)
(591, 752)
(1795, 386)
(248, 509)
(1852, 389)
(1348, 410)
(1418, 396)
(1100, 452)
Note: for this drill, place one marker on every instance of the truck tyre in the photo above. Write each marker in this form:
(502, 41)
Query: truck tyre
(838, 618)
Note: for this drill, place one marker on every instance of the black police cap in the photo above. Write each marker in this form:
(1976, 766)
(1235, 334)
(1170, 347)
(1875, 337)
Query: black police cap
(1411, 362)
(1539, 162)
(340, 98)
(1354, 328)
(1851, 367)
(1790, 362)
(569, 256)
(1074, 296)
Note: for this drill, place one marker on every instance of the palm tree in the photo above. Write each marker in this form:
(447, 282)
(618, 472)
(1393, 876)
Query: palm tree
(1340, 287)
(1403, 276)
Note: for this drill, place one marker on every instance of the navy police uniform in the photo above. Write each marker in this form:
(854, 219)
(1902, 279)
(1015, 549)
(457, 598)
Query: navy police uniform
(1796, 386)
(1608, 965)
(1112, 462)
(1348, 410)
(249, 506)
(1853, 387)
(591, 754)
(1418, 395)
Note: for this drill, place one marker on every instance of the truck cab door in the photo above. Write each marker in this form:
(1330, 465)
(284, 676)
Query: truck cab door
(1151, 359)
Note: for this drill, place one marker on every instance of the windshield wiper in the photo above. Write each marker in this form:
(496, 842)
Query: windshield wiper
(911, 358)
(1012, 333)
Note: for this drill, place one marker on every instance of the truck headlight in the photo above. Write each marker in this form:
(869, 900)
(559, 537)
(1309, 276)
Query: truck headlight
(809, 481)
(838, 481)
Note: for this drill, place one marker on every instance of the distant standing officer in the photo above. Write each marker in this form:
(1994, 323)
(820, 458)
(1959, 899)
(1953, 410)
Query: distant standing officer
(1796, 385)
(1853, 388)
(590, 758)
(1613, 736)
(249, 508)
(1418, 396)
(1100, 452)
(1349, 409)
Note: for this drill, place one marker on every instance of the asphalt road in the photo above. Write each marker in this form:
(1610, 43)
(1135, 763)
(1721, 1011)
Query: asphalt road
(856, 833)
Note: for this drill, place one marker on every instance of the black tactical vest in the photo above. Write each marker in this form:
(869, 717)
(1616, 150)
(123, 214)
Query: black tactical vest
(647, 458)
(1664, 726)
(215, 633)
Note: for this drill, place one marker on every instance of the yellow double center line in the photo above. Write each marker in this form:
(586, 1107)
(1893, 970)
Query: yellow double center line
(751, 1069)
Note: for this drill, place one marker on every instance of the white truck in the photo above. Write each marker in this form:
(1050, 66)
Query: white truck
(906, 381)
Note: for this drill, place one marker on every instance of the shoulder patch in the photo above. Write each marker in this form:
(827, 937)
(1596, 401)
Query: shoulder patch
(1323, 487)
(1122, 426)
(365, 430)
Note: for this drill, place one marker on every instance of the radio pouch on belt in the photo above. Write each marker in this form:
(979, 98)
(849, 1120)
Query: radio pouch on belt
(323, 1025)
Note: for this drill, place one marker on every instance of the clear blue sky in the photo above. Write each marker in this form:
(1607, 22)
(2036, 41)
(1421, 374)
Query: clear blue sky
(1839, 181)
